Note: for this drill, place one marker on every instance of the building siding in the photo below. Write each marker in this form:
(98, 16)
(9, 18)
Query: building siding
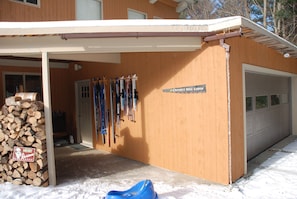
(59, 10)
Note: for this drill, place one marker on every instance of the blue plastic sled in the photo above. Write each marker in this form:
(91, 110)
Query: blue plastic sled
(142, 190)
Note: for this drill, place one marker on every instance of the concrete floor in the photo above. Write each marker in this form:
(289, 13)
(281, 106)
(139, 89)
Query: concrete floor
(76, 161)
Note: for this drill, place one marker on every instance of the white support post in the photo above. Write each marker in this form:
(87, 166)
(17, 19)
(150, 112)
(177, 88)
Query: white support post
(48, 118)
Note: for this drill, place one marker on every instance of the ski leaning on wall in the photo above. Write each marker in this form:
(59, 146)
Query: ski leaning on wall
(100, 106)
(122, 101)
(112, 97)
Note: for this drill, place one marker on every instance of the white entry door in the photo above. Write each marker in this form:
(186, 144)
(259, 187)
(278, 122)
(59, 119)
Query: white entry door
(83, 105)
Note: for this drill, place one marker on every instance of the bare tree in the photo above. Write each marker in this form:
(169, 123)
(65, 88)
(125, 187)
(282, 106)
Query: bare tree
(201, 9)
(278, 16)
(234, 8)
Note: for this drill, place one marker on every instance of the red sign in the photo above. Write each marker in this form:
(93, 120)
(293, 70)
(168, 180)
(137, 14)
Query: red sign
(24, 154)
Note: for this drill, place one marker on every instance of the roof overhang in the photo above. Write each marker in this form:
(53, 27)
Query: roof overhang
(104, 40)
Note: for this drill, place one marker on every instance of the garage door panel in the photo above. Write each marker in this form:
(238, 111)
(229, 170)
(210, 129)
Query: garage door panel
(266, 126)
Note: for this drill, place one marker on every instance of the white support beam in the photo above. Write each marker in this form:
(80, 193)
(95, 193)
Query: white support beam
(48, 118)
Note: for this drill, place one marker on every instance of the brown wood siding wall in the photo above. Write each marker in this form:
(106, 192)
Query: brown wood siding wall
(247, 51)
(118, 9)
(58, 10)
(182, 132)
(49, 10)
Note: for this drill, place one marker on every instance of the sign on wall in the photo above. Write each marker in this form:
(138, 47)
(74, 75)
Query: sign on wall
(187, 89)
(25, 154)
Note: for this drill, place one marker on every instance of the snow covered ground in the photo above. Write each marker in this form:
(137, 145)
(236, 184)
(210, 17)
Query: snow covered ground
(273, 175)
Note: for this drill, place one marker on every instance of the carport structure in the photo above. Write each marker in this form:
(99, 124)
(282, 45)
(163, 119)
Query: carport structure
(105, 40)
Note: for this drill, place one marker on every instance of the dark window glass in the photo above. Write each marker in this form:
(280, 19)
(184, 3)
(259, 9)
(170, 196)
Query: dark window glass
(249, 103)
(261, 102)
(275, 100)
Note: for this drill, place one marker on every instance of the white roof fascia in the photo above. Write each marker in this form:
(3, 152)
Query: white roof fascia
(92, 26)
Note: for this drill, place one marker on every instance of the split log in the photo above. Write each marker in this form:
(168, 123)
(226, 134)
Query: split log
(16, 174)
(10, 117)
(40, 138)
(17, 181)
(31, 139)
(32, 120)
(10, 108)
(37, 106)
(9, 178)
(31, 175)
(37, 114)
(4, 110)
(1, 135)
(34, 166)
(29, 181)
(25, 104)
(37, 181)
(21, 169)
(41, 120)
(41, 163)
(23, 115)
(43, 175)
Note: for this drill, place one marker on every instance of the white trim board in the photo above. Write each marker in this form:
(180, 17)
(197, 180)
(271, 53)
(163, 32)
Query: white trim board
(30, 63)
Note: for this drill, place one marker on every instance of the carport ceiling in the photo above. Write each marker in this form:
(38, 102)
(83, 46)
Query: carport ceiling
(104, 40)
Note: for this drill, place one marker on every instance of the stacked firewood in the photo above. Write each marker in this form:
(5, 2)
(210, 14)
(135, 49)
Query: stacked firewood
(22, 127)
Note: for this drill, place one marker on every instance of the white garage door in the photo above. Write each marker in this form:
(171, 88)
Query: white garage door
(267, 111)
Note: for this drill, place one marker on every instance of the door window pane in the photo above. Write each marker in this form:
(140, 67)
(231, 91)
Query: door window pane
(31, 2)
(261, 102)
(15, 83)
(249, 103)
(33, 84)
(88, 9)
(275, 100)
(133, 14)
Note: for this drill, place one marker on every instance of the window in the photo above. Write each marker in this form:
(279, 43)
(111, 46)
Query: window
(22, 83)
(261, 102)
(249, 103)
(275, 99)
(133, 14)
(88, 9)
(31, 2)
(284, 98)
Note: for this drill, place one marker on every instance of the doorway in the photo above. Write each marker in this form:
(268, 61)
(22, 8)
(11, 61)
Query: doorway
(83, 114)
(268, 108)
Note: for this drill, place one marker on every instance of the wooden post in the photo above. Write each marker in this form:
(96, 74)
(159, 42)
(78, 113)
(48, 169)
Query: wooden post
(48, 118)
